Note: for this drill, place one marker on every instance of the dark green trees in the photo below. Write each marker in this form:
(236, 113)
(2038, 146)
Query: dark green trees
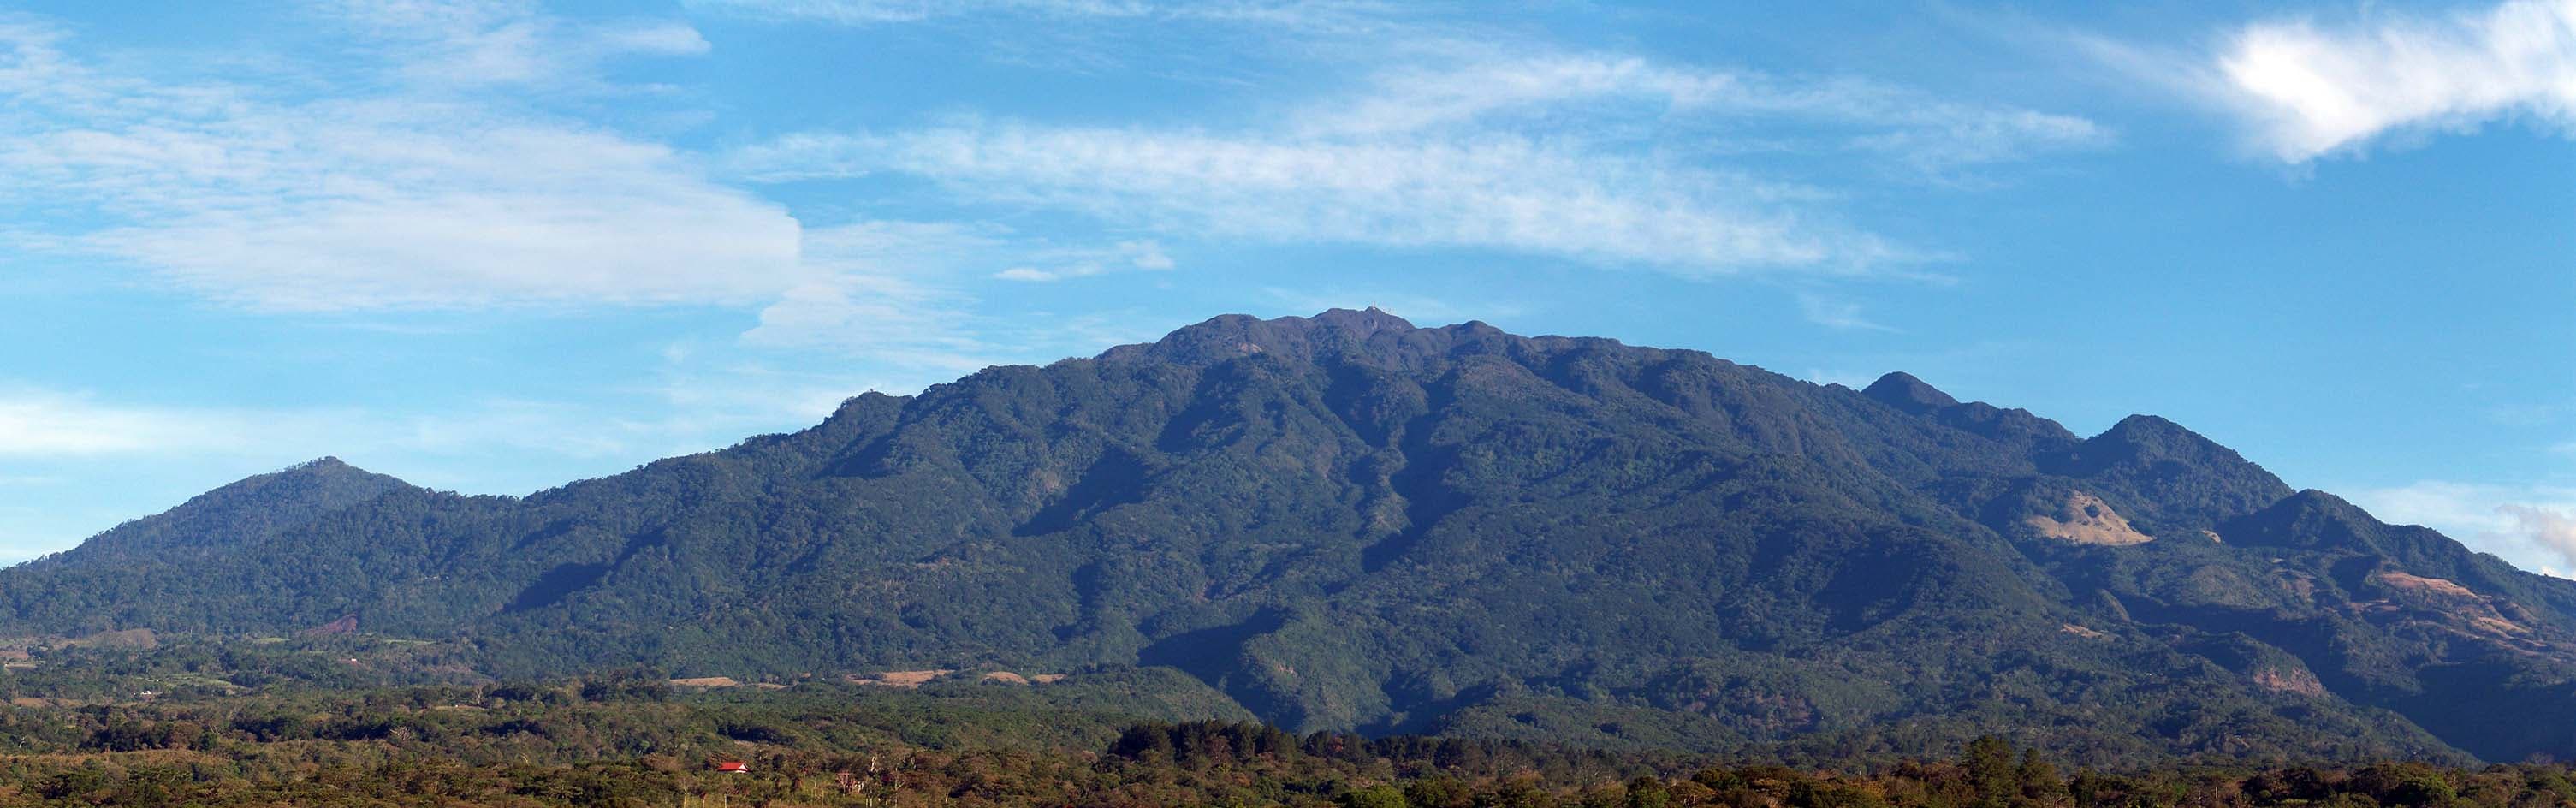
(1348, 523)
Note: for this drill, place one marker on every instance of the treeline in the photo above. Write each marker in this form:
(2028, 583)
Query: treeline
(1420, 772)
(629, 738)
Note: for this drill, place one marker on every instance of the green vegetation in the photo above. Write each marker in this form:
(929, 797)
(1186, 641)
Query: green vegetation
(1348, 524)
(633, 740)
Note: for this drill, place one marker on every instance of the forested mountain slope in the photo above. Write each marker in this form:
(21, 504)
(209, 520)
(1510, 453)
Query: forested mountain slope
(1346, 521)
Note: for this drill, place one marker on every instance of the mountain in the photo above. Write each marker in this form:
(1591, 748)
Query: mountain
(1349, 522)
(241, 513)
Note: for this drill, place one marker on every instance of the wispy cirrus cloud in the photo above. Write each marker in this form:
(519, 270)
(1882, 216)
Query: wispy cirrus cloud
(1294, 13)
(875, 12)
(2304, 89)
(1498, 191)
(476, 43)
(369, 200)
(1061, 264)
(1840, 315)
(1857, 115)
(1600, 159)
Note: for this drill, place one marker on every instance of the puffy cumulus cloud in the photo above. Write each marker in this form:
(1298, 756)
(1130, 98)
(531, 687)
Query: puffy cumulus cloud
(2553, 528)
(2533, 526)
(2306, 89)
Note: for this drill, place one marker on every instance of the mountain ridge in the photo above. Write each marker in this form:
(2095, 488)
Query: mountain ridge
(1346, 521)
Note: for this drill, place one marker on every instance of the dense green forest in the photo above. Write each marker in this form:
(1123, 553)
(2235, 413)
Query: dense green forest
(633, 738)
(1346, 523)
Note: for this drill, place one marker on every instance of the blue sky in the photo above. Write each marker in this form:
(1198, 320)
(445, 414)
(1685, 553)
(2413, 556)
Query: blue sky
(495, 246)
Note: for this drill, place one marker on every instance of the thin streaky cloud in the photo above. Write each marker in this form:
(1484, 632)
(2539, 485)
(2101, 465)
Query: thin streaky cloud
(1144, 255)
(1500, 191)
(1840, 315)
(1912, 126)
(1465, 147)
(45, 423)
(471, 43)
(369, 201)
(1295, 14)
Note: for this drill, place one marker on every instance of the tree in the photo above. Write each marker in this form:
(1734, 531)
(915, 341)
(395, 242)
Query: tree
(1991, 771)
(1377, 796)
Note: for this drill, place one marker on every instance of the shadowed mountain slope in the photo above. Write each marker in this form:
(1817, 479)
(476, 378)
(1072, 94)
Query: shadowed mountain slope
(1346, 521)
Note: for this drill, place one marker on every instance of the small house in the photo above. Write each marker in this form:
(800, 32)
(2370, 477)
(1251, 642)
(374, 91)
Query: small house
(733, 767)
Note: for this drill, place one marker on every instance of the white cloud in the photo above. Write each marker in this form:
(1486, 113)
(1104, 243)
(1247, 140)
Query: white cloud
(2308, 90)
(703, 408)
(1500, 192)
(1852, 379)
(2550, 527)
(872, 12)
(1602, 159)
(1276, 13)
(357, 210)
(493, 42)
(1841, 315)
(1056, 265)
(44, 423)
(877, 295)
(876, 317)
(2533, 526)
(369, 202)
(1916, 128)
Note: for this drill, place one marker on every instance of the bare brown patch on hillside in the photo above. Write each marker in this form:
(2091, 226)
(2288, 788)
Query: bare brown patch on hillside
(2083, 632)
(1006, 677)
(2085, 519)
(706, 681)
(2457, 608)
(2500, 626)
(128, 638)
(2417, 583)
(902, 679)
(2289, 680)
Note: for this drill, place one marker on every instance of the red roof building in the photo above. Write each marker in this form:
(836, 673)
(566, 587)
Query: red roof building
(733, 766)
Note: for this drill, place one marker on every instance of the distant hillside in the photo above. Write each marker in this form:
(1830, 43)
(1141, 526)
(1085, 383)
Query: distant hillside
(1349, 522)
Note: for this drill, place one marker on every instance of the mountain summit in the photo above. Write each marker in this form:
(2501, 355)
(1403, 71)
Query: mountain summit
(1346, 521)
(1902, 391)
